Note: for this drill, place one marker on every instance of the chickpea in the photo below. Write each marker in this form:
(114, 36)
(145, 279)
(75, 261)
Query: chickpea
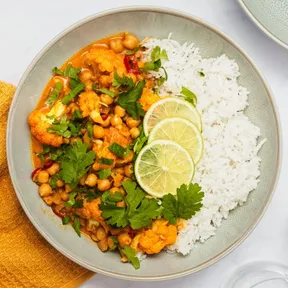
(101, 233)
(114, 190)
(103, 245)
(96, 167)
(57, 198)
(43, 176)
(98, 131)
(124, 239)
(103, 185)
(85, 75)
(121, 204)
(48, 200)
(60, 183)
(45, 190)
(116, 120)
(94, 238)
(106, 122)
(119, 170)
(64, 195)
(82, 180)
(130, 41)
(67, 188)
(135, 132)
(106, 99)
(128, 170)
(118, 110)
(91, 180)
(116, 45)
(131, 123)
(54, 169)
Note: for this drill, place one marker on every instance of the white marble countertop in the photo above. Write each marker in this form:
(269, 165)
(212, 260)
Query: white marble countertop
(26, 26)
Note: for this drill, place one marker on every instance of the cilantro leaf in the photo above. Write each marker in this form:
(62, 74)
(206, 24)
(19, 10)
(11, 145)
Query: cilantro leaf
(66, 220)
(106, 161)
(76, 226)
(128, 100)
(72, 72)
(114, 215)
(201, 74)
(140, 210)
(115, 243)
(156, 56)
(189, 201)
(189, 95)
(104, 91)
(117, 149)
(133, 51)
(75, 162)
(104, 174)
(170, 211)
(70, 96)
(90, 130)
(76, 115)
(140, 141)
(89, 195)
(130, 253)
(124, 81)
(53, 96)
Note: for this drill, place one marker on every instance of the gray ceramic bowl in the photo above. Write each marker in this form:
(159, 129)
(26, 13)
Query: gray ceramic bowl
(156, 22)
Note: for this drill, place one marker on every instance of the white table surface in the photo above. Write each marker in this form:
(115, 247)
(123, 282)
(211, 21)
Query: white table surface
(27, 25)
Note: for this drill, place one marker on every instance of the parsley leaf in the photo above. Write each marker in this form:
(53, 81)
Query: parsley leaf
(124, 81)
(76, 225)
(75, 162)
(104, 174)
(66, 220)
(114, 215)
(74, 92)
(109, 198)
(53, 96)
(189, 95)
(128, 100)
(130, 253)
(117, 149)
(189, 201)
(106, 161)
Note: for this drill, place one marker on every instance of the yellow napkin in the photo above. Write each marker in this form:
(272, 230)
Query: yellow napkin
(26, 259)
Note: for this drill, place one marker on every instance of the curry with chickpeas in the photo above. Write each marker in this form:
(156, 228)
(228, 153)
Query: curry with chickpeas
(86, 134)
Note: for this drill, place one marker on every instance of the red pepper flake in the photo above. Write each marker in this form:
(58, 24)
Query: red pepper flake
(131, 65)
(35, 172)
(131, 232)
(48, 163)
(60, 213)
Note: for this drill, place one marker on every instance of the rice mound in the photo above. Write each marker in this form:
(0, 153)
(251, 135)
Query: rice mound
(229, 169)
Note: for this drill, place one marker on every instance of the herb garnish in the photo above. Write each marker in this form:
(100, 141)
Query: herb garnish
(189, 96)
(53, 96)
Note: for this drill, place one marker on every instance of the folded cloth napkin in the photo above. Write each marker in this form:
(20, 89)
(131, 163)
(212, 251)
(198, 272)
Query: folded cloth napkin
(26, 259)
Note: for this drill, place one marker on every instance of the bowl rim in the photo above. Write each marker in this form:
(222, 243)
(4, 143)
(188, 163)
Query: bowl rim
(261, 26)
(11, 168)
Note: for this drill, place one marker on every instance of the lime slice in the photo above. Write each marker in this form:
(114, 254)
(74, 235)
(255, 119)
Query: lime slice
(163, 166)
(170, 107)
(182, 132)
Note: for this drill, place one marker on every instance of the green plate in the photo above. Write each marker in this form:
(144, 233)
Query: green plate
(271, 16)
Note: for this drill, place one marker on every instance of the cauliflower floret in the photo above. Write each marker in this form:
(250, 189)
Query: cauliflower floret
(39, 123)
(115, 135)
(148, 98)
(89, 103)
(90, 210)
(153, 240)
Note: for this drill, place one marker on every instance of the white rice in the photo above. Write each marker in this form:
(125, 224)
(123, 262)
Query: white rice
(229, 169)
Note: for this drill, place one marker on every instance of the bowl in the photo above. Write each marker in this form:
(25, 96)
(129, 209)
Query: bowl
(142, 21)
